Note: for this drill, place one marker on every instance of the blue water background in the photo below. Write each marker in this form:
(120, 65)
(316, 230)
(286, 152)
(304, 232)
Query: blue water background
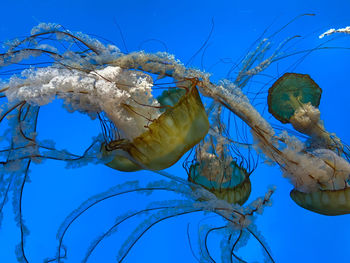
(292, 233)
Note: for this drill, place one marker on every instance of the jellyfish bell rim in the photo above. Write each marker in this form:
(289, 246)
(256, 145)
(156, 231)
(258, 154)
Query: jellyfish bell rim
(237, 194)
(324, 202)
(186, 118)
(278, 82)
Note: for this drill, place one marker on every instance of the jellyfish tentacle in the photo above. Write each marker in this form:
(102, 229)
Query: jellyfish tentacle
(20, 249)
(126, 188)
(18, 168)
(234, 245)
(113, 228)
(262, 244)
(148, 224)
(204, 233)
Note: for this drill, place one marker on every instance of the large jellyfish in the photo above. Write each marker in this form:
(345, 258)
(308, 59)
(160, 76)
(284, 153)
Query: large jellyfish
(181, 126)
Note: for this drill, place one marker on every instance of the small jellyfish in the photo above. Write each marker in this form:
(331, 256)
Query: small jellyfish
(214, 168)
(231, 183)
(294, 98)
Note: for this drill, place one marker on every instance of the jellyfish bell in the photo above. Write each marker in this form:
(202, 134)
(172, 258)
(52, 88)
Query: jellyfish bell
(325, 202)
(331, 194)
(289, 93)
(294, 98)
(181, 126)
(231, 184)
(214, 168)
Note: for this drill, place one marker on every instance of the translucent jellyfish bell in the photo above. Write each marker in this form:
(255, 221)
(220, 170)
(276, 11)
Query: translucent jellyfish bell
(289, 93)
(181, 126)
(214, 168)
(231, 184)
(294, 98)
(325, 202)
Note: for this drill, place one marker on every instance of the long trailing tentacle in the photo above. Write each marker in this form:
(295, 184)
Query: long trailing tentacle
(16, 174)
(126, 188)
(114, 228)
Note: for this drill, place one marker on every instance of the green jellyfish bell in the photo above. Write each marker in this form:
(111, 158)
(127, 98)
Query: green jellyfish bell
(231, 184)
(289, 93)
(215, 169)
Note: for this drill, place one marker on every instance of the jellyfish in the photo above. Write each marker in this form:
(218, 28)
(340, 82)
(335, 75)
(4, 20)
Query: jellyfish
(215, 169)
(294, 98)
(230, 183)
(181, 126)
(288, 94)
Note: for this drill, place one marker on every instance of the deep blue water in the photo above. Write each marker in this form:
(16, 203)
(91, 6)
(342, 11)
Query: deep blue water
(180, 28)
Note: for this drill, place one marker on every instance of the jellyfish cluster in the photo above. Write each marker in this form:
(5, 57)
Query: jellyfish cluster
(153, 110)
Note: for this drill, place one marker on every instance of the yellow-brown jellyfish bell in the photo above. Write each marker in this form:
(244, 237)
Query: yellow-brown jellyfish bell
(325, 202)
(294, 99)
(181, 126)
